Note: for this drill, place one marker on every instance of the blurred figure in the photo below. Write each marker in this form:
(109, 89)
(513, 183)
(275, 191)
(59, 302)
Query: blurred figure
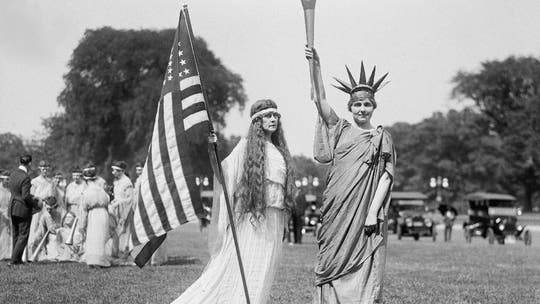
(120, 208)
(448, 219)
(51, 221)
(90, 166)
(298, 216)
(23, 204)
(60, 184)
(74, 191)
(5, 217)
(94, 221)
(71, 252)
(43, 186)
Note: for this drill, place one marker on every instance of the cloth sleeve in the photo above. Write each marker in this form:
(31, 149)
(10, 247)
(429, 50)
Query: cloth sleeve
(388, 153)
(232, 169)
(326, 139)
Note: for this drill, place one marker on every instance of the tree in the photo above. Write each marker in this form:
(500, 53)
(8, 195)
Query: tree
(456, 145)
(111, 95)
(11, 148)
(508, 94)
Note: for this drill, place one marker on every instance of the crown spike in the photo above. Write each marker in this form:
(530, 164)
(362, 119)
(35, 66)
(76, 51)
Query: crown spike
(344, 86)
(362, 74)
(378, 83)
(351, 78)
(372, 77)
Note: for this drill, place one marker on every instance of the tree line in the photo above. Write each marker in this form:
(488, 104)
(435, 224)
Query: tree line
(114, 79)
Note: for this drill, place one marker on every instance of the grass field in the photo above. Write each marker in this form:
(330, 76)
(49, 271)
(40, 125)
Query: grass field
(416, 272)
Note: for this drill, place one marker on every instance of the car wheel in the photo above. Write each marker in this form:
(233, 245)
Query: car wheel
(416, 237)
(527, 238)
(399, 232)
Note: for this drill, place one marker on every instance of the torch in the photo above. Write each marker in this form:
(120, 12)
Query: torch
(309, 19)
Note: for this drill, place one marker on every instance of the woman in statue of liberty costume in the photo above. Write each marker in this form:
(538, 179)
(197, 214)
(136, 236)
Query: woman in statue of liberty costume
(352, 238)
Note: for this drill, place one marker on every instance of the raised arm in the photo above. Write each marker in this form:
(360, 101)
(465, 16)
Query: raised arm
(319, 95)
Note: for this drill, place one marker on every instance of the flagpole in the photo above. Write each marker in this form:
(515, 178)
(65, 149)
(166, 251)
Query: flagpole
(218, 170)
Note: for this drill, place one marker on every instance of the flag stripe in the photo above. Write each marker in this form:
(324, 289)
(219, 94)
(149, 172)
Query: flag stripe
(187, 169)
(194, 109)
(190, 91)
(145, 221)
(193, 99)
(174, 161)
(190, 81)
(157, 156)
(195, 118)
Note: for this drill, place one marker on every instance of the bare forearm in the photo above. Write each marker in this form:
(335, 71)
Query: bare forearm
(324, 109)
(380, 194)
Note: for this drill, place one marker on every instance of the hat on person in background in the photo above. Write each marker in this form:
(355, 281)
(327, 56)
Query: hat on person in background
(51, 202)
(4, 174)
(44, 164)
(25, 159)
(76, 171)
(89, 171)
(119, 165)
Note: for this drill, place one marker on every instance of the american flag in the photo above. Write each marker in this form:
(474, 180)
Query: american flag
(169, 196)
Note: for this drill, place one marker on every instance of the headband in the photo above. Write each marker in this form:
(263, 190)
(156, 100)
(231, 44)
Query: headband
(264, 112)
(117, 168)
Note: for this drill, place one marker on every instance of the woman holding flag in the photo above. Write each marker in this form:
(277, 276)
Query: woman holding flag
(259, 178)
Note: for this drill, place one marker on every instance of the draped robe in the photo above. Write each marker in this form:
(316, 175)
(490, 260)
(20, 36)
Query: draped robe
(350, 263)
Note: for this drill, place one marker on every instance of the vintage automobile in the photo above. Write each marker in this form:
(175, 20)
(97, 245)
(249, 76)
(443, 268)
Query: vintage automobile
(408, 216)
(494, 216)
(312, 216)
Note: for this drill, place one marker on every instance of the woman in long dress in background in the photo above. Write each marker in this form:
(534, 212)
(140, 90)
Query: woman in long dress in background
(259, 181)
(5, 217)
(94, 221)
(352, 238)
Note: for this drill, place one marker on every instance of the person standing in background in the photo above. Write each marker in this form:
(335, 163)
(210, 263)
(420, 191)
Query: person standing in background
(22, 203)
(43, 186)
(5, 217)
(74, 191)
(94, 221)
(60, 185)
(120, 208)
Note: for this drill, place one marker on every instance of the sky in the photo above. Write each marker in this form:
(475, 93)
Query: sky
(422, 43)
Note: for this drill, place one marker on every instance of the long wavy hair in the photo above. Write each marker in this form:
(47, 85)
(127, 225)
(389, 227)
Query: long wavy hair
(249, 197)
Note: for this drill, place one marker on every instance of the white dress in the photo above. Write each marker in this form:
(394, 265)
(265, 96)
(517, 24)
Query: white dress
(260, 243)
(94, 222)
(5, 224)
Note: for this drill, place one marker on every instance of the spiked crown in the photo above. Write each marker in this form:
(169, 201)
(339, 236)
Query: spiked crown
(363, 84)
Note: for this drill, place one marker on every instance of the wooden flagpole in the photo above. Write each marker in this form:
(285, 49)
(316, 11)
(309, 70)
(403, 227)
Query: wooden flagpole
(218, 170)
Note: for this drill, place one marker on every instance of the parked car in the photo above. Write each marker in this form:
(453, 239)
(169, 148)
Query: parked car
(408, 216)
(494, 216)
(312, 216)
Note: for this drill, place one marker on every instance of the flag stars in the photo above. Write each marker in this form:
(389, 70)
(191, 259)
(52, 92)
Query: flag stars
(169, 77)
(182, 62)
(186, 71)
(180, 74)
(180, 53)
(179, 44)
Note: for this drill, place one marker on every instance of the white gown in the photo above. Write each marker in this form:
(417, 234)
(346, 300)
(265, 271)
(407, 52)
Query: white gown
(5, 224)
(260, 243)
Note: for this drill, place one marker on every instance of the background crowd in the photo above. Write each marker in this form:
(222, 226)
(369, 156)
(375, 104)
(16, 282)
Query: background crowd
(79, 219)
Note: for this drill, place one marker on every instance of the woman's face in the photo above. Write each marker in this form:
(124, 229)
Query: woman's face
(362, 111)
(270, 122)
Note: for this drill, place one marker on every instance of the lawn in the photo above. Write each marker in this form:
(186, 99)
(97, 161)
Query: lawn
(416, 272)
